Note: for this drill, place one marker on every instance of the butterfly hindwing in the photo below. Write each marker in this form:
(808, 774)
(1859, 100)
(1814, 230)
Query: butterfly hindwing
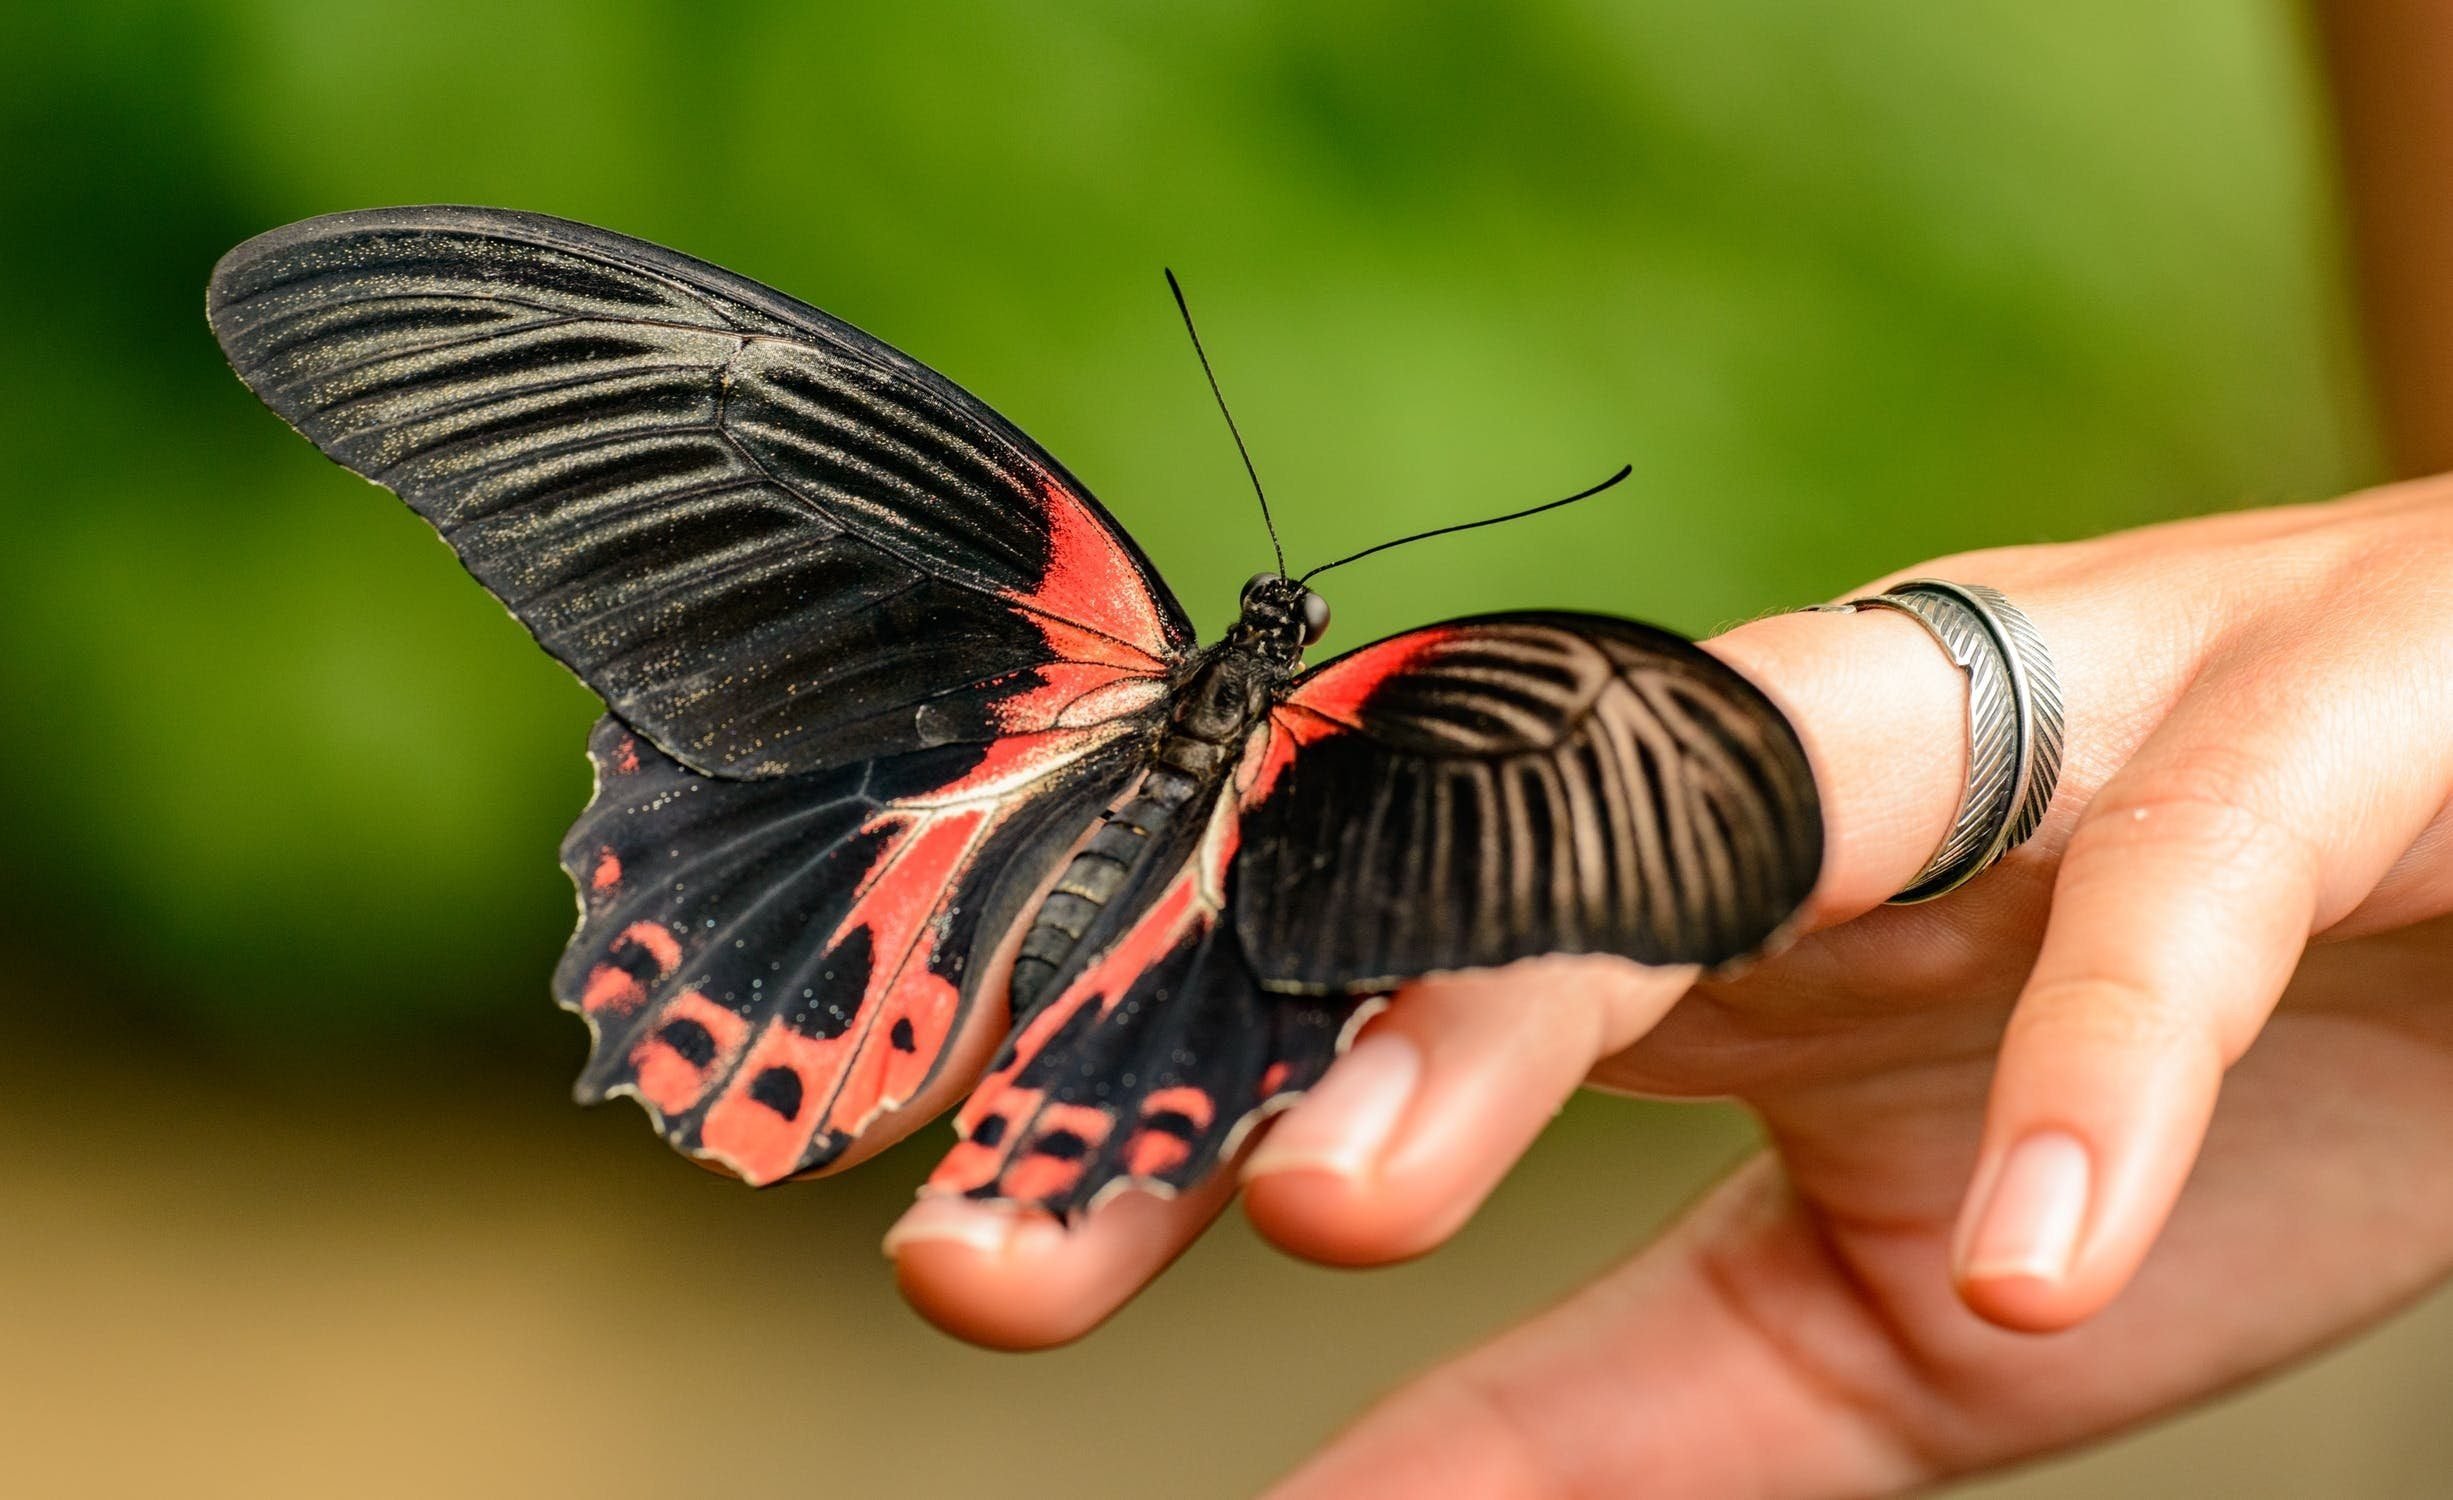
(1490, 789)
(769, 965)
(1152, 1052)
(770, 542)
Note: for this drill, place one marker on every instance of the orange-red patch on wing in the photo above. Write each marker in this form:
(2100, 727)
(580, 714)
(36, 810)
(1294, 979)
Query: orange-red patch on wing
(611, 987)
(1192, 1103)
(974, 1162)
(1152, 1151)
(898, 906)
(761, 1143)
(1036, 1173)
(657, 939)
(1078, 694)
(1091, 582)
(1338, 691)
(663, 1074)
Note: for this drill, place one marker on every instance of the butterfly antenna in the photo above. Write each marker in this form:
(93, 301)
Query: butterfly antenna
(1266, 519)
(1514, 515)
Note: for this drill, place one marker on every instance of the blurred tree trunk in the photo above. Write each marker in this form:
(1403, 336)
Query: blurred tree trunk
(2391, 67)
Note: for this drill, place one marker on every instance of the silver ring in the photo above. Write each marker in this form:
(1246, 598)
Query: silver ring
(2015, 724)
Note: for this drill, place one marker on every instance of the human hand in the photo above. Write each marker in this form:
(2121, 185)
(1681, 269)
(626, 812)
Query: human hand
(2257, 758)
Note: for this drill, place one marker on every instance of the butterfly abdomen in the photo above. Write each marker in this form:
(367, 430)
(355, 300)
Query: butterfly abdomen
(1225, 697)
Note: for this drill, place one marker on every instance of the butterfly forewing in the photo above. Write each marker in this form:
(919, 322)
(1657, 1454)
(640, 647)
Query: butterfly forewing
(770, 542)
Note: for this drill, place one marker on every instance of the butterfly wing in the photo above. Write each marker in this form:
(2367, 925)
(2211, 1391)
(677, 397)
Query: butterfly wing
(770, 542)
(1152, 1050)
(875, 660)
(1450, 798)
(1494, 788)
(769, 965)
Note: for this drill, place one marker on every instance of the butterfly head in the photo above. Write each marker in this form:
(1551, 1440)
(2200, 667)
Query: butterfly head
(1281, 616)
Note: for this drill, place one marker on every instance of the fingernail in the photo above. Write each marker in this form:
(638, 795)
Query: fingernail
(951, 1221)
(1342, 1125)
(2030, 1223)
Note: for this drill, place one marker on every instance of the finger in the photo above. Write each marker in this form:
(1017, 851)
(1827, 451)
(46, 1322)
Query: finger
(1883, 713)
(1017, 1279)
(1412, 1130)
(2184, 900)
(1436, 1100)
(1731, 1358)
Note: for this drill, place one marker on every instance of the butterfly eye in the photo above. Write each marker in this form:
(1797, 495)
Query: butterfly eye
(1252, 584)
(1315, 617)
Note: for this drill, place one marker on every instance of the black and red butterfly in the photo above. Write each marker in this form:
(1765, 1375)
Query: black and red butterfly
(891, 698)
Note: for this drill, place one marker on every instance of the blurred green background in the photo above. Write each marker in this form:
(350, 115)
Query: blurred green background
(293, 1201)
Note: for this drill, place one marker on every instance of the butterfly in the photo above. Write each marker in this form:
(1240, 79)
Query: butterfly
(901, 725)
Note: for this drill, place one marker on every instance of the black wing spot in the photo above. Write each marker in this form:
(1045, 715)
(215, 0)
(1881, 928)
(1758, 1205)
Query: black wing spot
(825, 1015)
(903, 1037)
(1172, 1122)
(989, 1132)
(779, 1089)
(1064, 1145)
(694, 1042)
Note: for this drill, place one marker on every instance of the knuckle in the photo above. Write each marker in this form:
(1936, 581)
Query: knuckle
(2205, 825)
(2105, 1015)
(2109, 1014)
(2101, 1008)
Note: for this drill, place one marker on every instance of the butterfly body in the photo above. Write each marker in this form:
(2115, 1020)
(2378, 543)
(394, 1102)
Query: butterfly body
(900, 721)
(1213, 715)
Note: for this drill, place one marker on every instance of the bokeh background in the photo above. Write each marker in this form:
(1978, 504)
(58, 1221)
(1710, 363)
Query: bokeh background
(291, 1198)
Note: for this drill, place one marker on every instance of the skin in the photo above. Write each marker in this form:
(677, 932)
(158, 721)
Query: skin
(2251, 845)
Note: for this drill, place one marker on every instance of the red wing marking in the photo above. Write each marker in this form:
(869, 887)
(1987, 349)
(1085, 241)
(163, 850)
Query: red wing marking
(615, 987)
(1151, 1152)
(694, 1043)
(1330, 701)
(608, 872)
(1339, 690)
(1156, 1148)
(1193, 1104)
(612, 989)
(1048, 1173)
(660, 944)
(749, 1125)
(1107, 646)
(1093, 603)
(979, 1156)
(906, 1011)
(1188, 903)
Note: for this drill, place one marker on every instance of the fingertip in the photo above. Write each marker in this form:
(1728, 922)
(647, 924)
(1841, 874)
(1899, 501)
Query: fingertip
(1012, 1278)
(1883, 713)
(2087, 1153)
(1415, 1126)
(1336, 1220)
(981, 1274)
(2026, 1304)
